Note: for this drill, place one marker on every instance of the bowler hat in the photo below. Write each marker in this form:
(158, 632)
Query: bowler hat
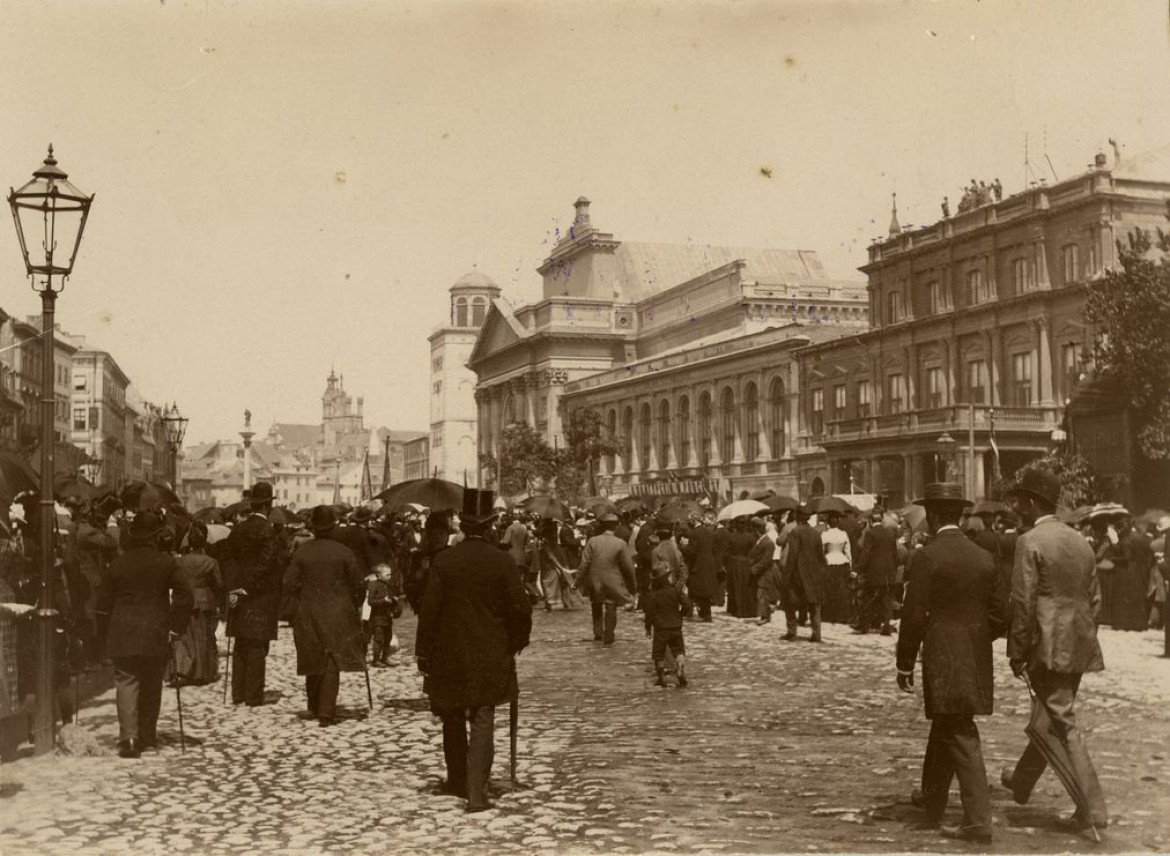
(261, 493)
(1039, 483)
(608, 517)
(322, 519)
(477, 506)
(146, 526)
(363, 515)
(944, 492)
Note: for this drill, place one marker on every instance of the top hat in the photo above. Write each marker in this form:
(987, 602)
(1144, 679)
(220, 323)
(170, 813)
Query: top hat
(944, 492)
(1039, 483)
(261, 493)
(146, 526)
(477, 506)
(322, 519)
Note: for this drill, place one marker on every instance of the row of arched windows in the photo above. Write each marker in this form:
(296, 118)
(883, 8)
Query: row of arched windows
(459, 309)
(655, 433)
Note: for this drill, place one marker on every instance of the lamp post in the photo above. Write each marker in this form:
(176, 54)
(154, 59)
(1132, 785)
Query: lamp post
(176, 427)
(946, 454)
(49, 212)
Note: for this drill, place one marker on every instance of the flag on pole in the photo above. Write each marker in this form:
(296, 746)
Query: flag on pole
(337, 485)
(994, 445)
(386, 464)
(367, 489)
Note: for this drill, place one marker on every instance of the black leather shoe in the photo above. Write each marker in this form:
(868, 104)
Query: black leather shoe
(145, 743)
(916, 799)
(478, 807)
(1077, 823)
(447, 789)
(790, 636)
(129, 749)
(326, 721)
(1005, 779)
(974, 834)
(816, 637)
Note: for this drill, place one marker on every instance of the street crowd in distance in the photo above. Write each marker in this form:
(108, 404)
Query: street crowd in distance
(146, 585)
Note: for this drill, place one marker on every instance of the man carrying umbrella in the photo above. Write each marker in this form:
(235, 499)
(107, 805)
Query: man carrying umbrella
(475, 618)
(1053, 641)
(952, 612)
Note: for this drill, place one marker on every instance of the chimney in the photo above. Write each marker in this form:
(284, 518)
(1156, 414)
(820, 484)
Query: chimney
(361, 401)
(1100, 161)
(582, 207)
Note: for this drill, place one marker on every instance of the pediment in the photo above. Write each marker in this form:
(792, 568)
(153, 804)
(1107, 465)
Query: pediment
(500, 330)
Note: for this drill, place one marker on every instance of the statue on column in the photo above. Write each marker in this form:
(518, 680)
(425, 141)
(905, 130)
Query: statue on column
(247, 419)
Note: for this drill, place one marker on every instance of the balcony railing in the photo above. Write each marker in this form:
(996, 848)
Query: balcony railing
(955, 417)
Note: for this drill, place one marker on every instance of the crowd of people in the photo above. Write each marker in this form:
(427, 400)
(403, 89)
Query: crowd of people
(145, 586)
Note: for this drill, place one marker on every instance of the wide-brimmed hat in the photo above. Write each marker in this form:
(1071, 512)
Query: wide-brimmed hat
(323, 518)
(145, 526)
(261, 494)
(478, 506)
(1108, 511)
(1039, 483)
(940, 493)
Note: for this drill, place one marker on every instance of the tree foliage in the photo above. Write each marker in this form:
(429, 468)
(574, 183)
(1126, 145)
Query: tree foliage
(525, 460)
(578, 462)
(1079, 484)
(1131, 309)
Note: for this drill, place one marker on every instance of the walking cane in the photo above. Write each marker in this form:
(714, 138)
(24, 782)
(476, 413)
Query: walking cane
(369, 692)
(178, 699)
(513, 732)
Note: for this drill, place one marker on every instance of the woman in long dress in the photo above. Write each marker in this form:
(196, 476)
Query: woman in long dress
(839, 559)
(196, 660)
(554, 568)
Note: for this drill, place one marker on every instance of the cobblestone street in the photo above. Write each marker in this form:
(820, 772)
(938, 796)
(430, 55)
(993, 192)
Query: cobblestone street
(774, 747)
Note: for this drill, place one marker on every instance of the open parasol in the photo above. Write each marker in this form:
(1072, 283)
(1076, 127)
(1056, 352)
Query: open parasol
(548, 507)
(437, 494)
(742, 508)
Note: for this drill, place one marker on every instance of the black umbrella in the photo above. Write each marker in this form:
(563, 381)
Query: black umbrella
(673, 514)
(631, 504)
(210, 515)
(547, 506)
(831, 505)
(65, 486)
(16, 475)
(237, 508)
(435, 494)
(780, 503)
(598, 505)
(141, 496)
(1052, 746)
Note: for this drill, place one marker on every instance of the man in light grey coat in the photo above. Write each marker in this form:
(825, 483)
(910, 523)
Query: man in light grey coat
(1055, 599)
(607, 573)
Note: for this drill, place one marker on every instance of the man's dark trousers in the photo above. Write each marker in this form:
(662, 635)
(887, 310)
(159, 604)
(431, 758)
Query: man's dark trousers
(469, 760)
(138, 682)
(249, 661)
(321, 690)
(1058, 692)
(954, 750)
(604, 621)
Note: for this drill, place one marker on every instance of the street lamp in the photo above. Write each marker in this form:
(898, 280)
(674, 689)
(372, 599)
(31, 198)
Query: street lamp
(946, 454)
(49, 212)
(175, 425)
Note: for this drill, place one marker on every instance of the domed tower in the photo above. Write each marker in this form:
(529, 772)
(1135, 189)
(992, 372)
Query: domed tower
(453, 411)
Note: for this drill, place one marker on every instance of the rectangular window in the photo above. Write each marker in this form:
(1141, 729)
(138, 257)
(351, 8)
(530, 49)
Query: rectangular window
(1021, 279)
(79, 419)
(1022, 379)
(934, 387)
(977, 382)
(1068, 263)
(80, 382)
(839, 401)
(818, 411)
(895, 309)
(1070, 364)
(864, 406)
(939, 297)
(896, 393)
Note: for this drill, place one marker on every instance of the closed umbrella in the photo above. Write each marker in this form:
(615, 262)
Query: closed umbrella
(547, 506)
(433, 493)
(742, 508)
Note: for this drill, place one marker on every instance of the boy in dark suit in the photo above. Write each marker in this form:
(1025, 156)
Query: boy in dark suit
(665, 605)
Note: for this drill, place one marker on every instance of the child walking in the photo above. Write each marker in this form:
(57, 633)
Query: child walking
(382, 605)
(665, 605)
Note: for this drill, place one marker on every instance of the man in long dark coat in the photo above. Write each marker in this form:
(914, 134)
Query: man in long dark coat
(953, 611)
(804, 571)
(699, 552)
(1055, 602)
(96, 549)
(475, 619)
(877, 569)
(254, 582)
(143, 604)
(763, 570)
(328, 585)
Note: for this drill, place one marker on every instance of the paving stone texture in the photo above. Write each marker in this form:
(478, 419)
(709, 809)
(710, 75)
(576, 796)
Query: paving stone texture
(774, 747)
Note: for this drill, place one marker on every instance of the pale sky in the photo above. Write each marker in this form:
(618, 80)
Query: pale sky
(283, 187)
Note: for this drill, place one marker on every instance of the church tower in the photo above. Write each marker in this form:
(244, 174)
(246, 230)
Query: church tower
(453, 410)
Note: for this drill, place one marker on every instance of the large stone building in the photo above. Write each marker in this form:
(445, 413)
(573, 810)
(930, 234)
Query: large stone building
(451, 449)
(976, 323)
(100, 413)
(612, 306)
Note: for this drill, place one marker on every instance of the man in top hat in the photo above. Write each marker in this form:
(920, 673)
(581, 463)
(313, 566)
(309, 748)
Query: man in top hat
(254, 583)
(143, 605)
(328, 585)
(952, 611)
(607, 569)
(804, 571)
(1055, 599)
(475, 619)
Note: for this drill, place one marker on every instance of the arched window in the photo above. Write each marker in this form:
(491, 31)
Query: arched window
(628, 438)
(509, 410)
(705, 429)
(727, 435)
(684, 432)
(751, 423)
(776, 416)
(646, 438)
(611, 434)
(663, 435)
(817, 488)
(478, 307)
(461, 312)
